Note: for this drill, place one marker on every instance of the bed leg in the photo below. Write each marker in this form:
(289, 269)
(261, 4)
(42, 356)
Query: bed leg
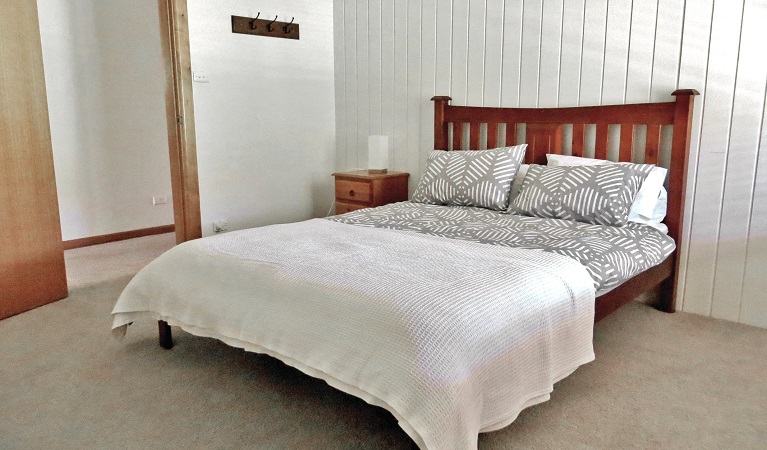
(667, 301)
(166, 338)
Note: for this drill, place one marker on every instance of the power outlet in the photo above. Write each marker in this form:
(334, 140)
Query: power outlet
(159, 200)
(220, 226)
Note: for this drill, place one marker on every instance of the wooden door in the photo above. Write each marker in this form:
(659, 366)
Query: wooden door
(32, 269)
(179, 104)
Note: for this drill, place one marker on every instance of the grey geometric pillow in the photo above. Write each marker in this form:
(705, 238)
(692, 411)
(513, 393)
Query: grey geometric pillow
(644, 169)
(470, 177)
(600, 195)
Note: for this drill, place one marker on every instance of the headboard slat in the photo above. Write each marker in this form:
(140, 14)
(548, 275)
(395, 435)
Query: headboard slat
(511, 134)
(542, 138)
(653, 144)
(492, 134)
(457, 135)
(627, 142)
(601, 144)
(474, 136)
(578, 138)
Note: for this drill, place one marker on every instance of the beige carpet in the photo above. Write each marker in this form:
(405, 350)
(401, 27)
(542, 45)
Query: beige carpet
(659, 381)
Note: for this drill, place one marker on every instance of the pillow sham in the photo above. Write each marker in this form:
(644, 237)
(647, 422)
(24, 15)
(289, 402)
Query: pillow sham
(647, 198)
(470, 177)
(597, 194)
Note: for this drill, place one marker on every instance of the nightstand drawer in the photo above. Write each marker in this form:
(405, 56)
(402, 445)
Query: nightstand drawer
(343, 208)
(355, 191)
(359, 189)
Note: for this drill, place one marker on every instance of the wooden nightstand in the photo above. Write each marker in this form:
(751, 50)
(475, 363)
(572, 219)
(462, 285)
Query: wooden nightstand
(360, 189)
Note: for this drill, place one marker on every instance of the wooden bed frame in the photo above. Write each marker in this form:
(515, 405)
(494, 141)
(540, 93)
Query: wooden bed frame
(544, 135)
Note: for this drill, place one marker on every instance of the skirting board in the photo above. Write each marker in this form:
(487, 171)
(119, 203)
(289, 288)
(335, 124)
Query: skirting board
(121, 236)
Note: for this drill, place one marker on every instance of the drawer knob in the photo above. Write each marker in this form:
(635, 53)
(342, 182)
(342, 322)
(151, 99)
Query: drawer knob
(351, 193)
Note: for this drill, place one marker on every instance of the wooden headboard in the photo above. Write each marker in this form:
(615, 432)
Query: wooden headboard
(469, 127)
(544, 134)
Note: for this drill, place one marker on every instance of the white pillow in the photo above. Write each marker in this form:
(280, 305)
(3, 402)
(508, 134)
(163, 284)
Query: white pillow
(565, 160)
(516, 185)
(646, 200)
(659, 213)
(649, 195)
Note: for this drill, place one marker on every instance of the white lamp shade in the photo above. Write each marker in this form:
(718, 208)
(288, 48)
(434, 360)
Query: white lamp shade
(378, 152)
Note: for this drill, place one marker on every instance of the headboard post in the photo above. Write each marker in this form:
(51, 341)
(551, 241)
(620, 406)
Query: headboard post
(677, 182)
(440, 125)
(680, 152)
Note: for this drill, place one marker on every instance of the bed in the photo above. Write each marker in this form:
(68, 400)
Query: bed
(454, 319)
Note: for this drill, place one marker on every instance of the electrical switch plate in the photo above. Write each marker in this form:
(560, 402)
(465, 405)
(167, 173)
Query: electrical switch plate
(159, 200)
(199, 76)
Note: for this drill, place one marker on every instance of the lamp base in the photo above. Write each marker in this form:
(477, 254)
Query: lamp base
(378, 170)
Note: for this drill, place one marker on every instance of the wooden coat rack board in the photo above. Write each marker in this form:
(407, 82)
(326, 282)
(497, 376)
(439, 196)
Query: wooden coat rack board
(265, 27)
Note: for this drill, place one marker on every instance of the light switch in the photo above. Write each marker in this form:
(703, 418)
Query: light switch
(199, 76)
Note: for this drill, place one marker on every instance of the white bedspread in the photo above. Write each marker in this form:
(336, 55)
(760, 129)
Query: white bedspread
(452, 337)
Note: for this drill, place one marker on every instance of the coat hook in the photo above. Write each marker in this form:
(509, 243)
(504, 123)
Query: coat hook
(269, 27)
(253, 22)
(287, 27)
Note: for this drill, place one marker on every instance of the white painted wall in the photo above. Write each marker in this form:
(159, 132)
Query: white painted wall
(104, 77)
(265, 122)
(391, 57)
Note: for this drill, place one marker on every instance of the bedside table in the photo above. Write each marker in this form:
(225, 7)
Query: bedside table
(359, 189)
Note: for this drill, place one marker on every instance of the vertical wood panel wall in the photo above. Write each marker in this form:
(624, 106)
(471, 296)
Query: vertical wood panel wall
(392, 57)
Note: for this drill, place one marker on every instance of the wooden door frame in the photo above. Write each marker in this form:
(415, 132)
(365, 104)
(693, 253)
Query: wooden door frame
(179, 104)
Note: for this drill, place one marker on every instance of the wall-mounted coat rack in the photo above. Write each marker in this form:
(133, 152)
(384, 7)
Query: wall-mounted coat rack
(265, 27)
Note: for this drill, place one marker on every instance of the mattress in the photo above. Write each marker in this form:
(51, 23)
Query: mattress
(611, 255)
(452, 336)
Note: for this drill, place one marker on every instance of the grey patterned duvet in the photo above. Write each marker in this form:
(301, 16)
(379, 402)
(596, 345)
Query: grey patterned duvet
(610, 254)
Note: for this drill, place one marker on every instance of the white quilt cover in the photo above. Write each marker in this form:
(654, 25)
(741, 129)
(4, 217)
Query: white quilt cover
(454, 338)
